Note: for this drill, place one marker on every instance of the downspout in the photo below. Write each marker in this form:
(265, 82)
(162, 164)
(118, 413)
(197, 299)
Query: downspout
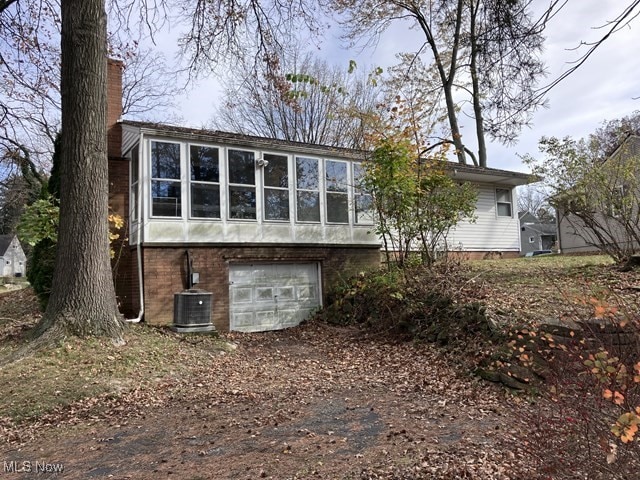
(138, 247)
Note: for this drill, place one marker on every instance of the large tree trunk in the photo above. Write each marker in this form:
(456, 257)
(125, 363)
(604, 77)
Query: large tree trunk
(83, 300)
(475, 84)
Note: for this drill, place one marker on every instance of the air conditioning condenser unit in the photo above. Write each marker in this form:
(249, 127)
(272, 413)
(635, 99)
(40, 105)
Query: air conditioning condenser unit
(192, 311)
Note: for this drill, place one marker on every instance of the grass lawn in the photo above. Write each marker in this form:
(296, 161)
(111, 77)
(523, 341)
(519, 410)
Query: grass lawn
(538, 288)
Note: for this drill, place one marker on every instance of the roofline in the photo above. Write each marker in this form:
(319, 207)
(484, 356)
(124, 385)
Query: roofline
(460, 171)
(622, 144)
(496, 175)
(241, 139)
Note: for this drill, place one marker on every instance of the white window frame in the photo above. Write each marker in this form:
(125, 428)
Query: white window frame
(499, 202)
(357, 193)
(228, 185)
(289, 189)
(334, 192)
(319, 190)
(179, 180)
(220, 183)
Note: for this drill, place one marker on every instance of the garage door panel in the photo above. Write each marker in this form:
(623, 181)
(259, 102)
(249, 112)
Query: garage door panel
(287, 293)
(243, 319)
(242, 295)
(307, 293)
(264, 294)
(265, 318)
(271, 296)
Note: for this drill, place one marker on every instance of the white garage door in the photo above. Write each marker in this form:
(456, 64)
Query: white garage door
(272, 296)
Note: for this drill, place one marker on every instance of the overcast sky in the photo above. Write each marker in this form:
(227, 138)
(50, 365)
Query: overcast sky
(602, 89)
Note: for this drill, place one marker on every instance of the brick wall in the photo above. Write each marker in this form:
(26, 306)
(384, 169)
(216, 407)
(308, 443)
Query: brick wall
(165, 272)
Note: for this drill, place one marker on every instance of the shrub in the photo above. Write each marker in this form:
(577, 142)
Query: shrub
(415, 302)
(587, 421)
(40, 270)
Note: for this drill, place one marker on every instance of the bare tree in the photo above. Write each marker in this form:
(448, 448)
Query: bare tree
(493, 43)
(322, 105)
(149, 87)
(533, 198)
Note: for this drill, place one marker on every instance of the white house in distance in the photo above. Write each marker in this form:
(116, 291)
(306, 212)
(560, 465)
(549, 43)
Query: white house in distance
(13, 261)
(269, 226)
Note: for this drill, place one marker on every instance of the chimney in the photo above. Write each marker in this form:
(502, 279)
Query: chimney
(114, 107)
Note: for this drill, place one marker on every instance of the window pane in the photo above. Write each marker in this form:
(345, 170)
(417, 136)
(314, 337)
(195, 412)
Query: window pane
(166, 199)
(276, 173)
(504, 209)
(308, 206)
(165, 160)
(134, 164)
(364, 208)
(204, 164)
(358, 175)
(503, 195)
(205, 200)
(307, 173)
(276, 204)
(336, 176)
(242, 202)
(337, 208)
(242, 167)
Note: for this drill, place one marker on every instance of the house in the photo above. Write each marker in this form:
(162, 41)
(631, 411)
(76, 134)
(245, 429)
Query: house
(13, 261)
(267, 226)
(536, 235)
(609, 214)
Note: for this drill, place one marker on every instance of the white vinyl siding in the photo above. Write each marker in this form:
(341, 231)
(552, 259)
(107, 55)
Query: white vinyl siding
(490, 232)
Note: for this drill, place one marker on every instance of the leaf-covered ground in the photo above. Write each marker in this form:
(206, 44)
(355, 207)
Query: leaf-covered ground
(539, 288)
(317, 401)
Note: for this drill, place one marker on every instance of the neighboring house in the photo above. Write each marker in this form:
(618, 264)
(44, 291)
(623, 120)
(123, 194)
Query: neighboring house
(535, 235)
(12, 257)
(270, 226)
(575, 237)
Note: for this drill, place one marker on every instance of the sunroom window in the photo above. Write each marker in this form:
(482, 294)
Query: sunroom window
(242, 185)
(276, 187)
(337, 202)
(363, 201)
(307, 190)
(503, 202)
(165, 180)
(205, 181)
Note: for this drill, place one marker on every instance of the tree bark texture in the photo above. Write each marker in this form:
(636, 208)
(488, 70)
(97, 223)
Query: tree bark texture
(83, 300)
